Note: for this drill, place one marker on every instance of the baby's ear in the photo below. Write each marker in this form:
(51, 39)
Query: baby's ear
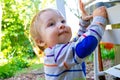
(40, 42)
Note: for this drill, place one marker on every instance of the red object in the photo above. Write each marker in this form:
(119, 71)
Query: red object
(107, 45)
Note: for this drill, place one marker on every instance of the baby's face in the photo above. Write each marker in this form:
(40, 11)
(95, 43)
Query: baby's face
(54, 29)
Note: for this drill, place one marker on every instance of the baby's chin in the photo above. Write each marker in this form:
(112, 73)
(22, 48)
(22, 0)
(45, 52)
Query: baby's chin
(64, 39)
(64, 42)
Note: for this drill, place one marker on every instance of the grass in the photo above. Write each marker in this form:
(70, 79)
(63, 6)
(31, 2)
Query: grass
(18, 65)
(14, 70)
(29, 69)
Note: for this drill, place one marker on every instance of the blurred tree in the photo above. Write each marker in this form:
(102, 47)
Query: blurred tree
(16, 19)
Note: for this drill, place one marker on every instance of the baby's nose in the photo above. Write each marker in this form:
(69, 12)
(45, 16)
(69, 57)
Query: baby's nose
(62, 26)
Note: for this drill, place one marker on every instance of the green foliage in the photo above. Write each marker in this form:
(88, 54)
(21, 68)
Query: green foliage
(7, 71)
(16, 19)
(107, 54)
(14, 64)
(33, 66)
(16, 46)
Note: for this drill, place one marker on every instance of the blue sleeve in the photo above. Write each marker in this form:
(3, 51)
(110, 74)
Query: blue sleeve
(84, 68)
(86, 47)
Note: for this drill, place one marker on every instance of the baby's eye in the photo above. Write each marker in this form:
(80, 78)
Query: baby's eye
(51, 24)
(63, 21)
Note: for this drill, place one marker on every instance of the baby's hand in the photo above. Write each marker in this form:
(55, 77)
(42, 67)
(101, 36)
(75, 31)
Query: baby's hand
(85, 15)
(101, 11)
(87, 18)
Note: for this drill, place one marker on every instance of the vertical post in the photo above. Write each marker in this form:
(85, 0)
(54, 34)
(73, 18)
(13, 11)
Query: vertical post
(102, 77)
(117, 54)
(0, 25)
(96, 71)
(61, 7)
(116, 40)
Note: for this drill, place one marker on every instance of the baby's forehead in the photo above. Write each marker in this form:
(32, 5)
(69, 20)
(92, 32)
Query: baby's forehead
(52, 11)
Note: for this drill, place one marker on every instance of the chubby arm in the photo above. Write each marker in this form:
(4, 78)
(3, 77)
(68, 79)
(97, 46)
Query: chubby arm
(83, 24)
(89, 40)
(84, 20)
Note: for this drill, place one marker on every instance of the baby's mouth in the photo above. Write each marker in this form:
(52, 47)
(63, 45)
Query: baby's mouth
(63, 32)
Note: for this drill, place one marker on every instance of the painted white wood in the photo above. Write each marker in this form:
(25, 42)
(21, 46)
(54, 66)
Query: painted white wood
(114, 14)
(115, 71)
(112, 36)
(96, 66)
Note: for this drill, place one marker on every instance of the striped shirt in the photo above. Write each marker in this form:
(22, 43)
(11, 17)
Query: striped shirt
(64, 61)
